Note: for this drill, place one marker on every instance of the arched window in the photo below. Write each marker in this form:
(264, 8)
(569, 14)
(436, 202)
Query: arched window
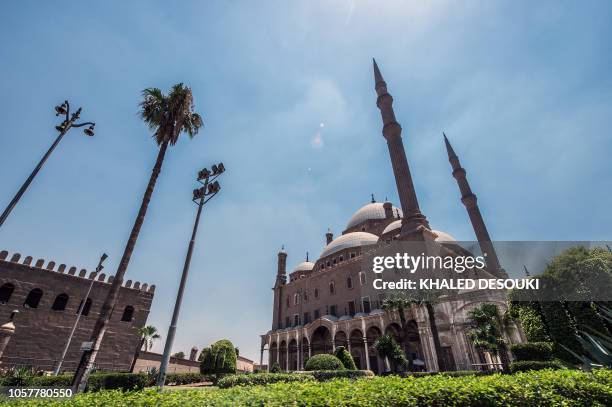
(60, 302)
(33, 298)
(296, 299)
(86, 308)
(349, 282)
(5, 292)
(305, 296)
(128, 314)
(287, 301)
(362, 278)
(316, 293)
(332, 288)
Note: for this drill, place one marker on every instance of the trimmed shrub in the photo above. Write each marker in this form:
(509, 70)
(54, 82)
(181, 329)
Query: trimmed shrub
(326, 375)
(219, 358)
(527, 365)
(121, 381)
(262, 379)
(345, 357)
(63, 380)
(178, 379)
(532, 351)
(324, 362)
(543, 388)
(275, 368)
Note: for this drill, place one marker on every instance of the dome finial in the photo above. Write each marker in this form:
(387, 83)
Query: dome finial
(373, 200)
(306, 256)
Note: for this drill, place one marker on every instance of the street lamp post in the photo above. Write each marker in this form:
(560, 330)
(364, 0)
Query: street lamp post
(201, 195)
(67, 124)
(80, 310)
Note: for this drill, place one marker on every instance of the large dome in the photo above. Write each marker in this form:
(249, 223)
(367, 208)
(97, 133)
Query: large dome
(374, 210)
(442, 236)
(304, 266)
(354, 239)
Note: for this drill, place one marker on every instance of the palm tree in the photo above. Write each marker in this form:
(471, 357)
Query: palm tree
(148, 334)
(399, 303)
(389, 350)
(168, 116)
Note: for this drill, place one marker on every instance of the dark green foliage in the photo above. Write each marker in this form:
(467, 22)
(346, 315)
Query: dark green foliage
(219, 358)
(541, 388)
(262, 379)
(63, 380)
(121, 381)
(345, 357)
(178, 379)
(324, 362)
(326, 375)
(388, 348)
(527, 365)
(487, 328)
(275, 368)
(532, 351)
(532, 323)
(561, 330)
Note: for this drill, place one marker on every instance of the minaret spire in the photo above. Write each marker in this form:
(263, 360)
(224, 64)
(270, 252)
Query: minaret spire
(469, 200)
(413, 221)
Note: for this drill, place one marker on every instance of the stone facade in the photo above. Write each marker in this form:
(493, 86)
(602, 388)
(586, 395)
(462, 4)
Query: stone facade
(48, 296)
(330, 302)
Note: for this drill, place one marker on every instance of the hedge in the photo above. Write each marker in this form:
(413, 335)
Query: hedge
(542, 388)
(324, 362)
(527, 365)
(345, 357)
(262, 379)
(326, 375)
(532, 351)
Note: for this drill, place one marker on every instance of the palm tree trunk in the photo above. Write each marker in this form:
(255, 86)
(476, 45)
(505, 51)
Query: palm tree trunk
(436, 338)
(405, 341)
(79, 380)
(137, 354)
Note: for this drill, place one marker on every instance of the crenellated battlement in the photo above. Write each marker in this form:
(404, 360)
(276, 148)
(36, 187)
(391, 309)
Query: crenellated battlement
(39, 264)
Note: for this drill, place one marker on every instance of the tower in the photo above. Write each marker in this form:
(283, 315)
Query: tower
(413, 221)
(469, 200)
(281, 280)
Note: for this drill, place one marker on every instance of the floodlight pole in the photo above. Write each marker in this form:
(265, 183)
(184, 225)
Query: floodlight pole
(79, 311)
(201, 200)
(63, 128)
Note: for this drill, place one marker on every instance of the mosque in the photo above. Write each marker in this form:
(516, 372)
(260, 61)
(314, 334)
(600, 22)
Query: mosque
(330, 302)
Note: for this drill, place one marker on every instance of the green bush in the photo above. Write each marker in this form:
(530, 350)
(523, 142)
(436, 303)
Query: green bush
(326, 375)
(186, 378)
(532, 351)
(219, 358)
(345, 357)
(275, 368)
(121, 381)
(527, 365)
(542, 388)
(324, 362)
(262, 379)
(63, 380)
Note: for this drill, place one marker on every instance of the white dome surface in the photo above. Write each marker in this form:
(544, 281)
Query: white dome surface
(442, 236)
(396, 224)
(374, 210)
(304, 266)
(354, 239)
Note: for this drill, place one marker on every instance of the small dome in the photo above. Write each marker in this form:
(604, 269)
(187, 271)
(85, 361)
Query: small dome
(374, 210)
(304, 266)
(354, 239)
(443, 236)
(396, 224)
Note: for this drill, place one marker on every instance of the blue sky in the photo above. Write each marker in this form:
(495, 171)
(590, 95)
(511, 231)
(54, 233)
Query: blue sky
(523, 91)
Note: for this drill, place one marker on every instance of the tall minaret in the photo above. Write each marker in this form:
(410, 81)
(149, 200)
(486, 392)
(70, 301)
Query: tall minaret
(469, 200)
(281, 280)
(413, 221)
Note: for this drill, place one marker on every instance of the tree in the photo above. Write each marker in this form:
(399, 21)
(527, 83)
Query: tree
(148, 334)
(168, 116)
(487, 330)
(400, 303)
(345, 357)
(179, 355)
(275, 368)
(389, 349)
(220, 357)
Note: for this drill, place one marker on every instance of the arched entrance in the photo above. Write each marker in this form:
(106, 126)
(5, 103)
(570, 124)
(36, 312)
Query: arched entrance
(273, 354)
(282, 355)
(293, 355)
(321, 341)
(376, 363)
(341, 339)
(357, 349)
